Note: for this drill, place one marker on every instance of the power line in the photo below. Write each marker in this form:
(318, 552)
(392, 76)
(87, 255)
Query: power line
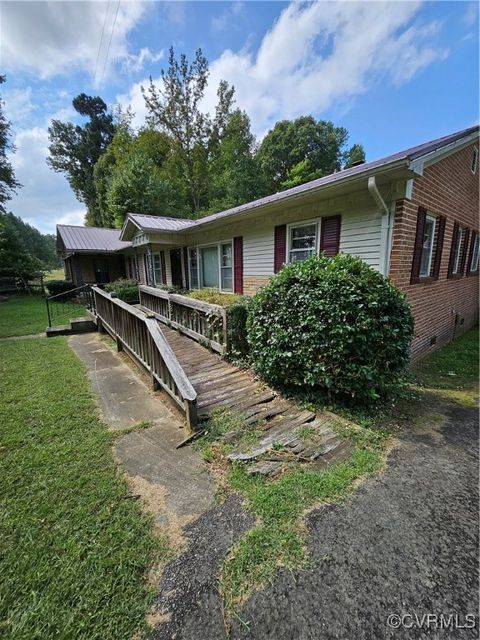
(110, 42)
(101, 41)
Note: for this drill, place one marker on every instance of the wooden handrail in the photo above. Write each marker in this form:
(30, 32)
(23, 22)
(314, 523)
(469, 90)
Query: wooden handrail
(143, 339)
(204, 322)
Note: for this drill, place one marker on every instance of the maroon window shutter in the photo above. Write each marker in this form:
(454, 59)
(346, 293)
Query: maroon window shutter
(162, 265)
(238, 265)
(417, 251)
(463, 259)
(439, 247)
(185, 264)
(330, 235)
(470, 253)
(280, 247)
(453, 249)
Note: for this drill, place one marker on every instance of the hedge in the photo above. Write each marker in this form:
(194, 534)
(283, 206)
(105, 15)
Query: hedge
(333, 327)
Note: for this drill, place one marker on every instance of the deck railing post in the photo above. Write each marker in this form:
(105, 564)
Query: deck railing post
(191, 414)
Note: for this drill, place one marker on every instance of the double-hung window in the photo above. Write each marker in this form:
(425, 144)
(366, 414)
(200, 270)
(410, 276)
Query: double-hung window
(457, 250)
(474, 258)
(427, 246)
(211, 266)
(157, 268)
(193, 267)
(226, 267)
(303, 241)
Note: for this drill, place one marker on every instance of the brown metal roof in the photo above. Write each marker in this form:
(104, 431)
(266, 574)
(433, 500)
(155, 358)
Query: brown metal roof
(408, 155)
(85, 239)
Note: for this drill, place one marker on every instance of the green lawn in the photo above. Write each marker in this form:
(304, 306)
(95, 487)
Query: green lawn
(27, 314)
(74, 544)
(56, 274)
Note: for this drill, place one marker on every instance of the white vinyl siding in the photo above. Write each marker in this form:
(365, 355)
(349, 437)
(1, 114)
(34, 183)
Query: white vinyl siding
(258, 252)
(360, 235)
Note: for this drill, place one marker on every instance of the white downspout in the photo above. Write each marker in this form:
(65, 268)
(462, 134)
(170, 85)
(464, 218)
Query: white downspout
(375, 193)
(386, 225)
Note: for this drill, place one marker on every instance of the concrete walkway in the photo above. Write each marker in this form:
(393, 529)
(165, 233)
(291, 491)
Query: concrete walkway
(172, 483)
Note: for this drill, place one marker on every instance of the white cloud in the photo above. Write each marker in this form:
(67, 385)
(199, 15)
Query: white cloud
(51, 38)
(18, 104)
(317, 56)
(226, 19)
(136, 62)
(46, 197)
(324, 53)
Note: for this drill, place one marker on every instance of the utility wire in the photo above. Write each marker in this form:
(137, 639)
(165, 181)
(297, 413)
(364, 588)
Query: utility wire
(101, 41)
(109, 43)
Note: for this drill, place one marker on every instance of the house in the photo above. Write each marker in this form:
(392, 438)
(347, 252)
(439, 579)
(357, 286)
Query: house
(91, 255)
(413, 216)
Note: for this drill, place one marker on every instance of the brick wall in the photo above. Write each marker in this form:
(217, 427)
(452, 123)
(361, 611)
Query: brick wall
(251, 284)
(443, 308)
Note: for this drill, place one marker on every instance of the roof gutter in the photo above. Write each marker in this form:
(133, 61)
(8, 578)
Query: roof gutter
(376, 195)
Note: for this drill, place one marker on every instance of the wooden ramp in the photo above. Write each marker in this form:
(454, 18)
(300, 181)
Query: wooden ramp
(287, 433)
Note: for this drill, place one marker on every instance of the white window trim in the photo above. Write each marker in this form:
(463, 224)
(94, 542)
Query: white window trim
(458, 251)
(475, 257)
(303, 223)
(430, 249)
(474, 161)
(218, 245)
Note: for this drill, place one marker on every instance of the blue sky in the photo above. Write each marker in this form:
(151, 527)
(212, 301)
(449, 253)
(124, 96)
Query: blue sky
(394, 74)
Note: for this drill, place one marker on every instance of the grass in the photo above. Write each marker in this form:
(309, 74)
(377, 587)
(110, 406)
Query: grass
(74, 544)
(279, 537)
(213, 296)
(55, 274)
(27, 314)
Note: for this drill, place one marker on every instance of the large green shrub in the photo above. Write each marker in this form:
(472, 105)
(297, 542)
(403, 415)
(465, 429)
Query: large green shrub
(55, 287)
(126, 290)
(333, 326)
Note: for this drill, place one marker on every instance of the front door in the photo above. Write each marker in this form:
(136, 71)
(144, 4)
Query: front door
(102, 274)
(176, 265)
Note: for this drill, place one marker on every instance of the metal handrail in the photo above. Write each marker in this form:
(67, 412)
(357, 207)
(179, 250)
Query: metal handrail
(67, 309)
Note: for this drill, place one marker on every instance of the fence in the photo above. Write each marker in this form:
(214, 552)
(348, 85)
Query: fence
(68, 303)
(142, 338)
(206, 323)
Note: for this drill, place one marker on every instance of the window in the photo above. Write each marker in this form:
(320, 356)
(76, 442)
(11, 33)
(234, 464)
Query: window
(157, 268)
(457, 251)
(474, 259)
(193, 267)
(474, 164)
(211, 267)
(427, 246)
(302, 242)
(226, 267)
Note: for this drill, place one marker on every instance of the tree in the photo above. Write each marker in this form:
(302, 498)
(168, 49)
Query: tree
(175, 109)
(138, 187)
(8, 182)
(15, 258)
(300, 150)
(74, 150)
(355, 155)
(234, 174)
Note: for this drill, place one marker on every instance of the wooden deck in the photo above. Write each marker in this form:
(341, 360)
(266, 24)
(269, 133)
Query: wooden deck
(278, 421)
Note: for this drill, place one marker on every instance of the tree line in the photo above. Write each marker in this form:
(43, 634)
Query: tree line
(185, 162)
(25, 253)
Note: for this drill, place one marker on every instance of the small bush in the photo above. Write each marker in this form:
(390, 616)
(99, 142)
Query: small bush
(126, 290)
(55, 287)
(333, 326)
(237, 342)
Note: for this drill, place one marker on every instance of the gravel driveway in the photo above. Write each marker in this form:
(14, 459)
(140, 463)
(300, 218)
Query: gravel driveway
(405, 544)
